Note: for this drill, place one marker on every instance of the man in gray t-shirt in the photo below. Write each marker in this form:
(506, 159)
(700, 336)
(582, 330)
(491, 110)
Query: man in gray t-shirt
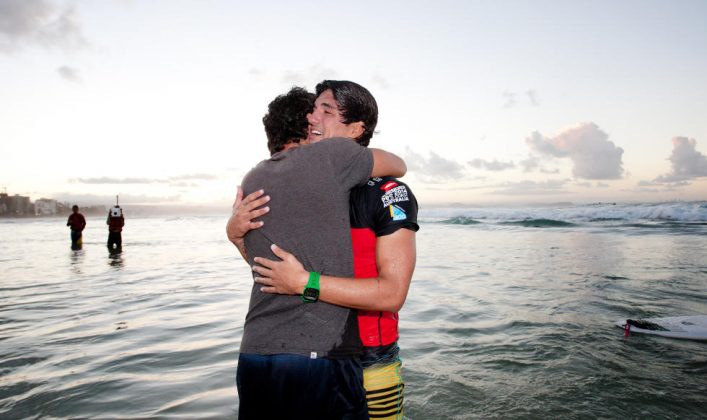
(310, 215)
(298, 358)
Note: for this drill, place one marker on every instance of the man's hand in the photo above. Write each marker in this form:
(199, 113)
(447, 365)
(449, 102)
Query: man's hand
(286, 277)
(244, 213)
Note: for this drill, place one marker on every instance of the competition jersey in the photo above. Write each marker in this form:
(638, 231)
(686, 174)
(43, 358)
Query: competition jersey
(379, 208)
(115, 224)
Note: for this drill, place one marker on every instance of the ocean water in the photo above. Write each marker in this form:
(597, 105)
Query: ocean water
(510, 315)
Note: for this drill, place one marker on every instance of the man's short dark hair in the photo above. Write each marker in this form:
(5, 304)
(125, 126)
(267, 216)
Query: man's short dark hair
(74, 207)
(355, 104)
(286, 120)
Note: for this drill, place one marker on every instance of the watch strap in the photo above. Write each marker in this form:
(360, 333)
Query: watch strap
(311, 290)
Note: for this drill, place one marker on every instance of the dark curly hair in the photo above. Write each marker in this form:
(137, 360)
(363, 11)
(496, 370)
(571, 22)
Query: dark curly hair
(286, 120)
(355, 104)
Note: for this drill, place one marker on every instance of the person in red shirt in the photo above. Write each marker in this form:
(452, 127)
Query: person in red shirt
(115, 223)
(77, 223)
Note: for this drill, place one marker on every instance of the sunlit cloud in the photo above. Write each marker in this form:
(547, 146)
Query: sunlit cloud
(687, 162)
(25, 23)
(587, 146)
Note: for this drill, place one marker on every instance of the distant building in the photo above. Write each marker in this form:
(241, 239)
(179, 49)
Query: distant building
(15, 205)
(21, 206)
(4, 204)
(46, 207)
(18, 205)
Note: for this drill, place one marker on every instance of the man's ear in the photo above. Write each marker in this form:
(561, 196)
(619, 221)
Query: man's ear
(356, 129)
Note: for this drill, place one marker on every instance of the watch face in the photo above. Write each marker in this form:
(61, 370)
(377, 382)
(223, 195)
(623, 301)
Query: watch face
(310, 294)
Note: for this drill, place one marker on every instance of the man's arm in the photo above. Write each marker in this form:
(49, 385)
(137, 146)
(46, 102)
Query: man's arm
(241, 221)
(387, 164)
(395, 257)
(246, 210)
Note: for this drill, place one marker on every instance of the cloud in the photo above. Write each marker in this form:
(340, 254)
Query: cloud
(686, 161)
(433, 169)
(38, 22)
(552, 186)
(510, 98)
(95, 199)
(657, 187)
(491, 165)
(256, 72)
(380, 81)
(589, 148)
(532, 163)
(665, 186)
(312, 74)
(532, 97)
(202, 177)
(182, 184)
(69, 73)
(108, 180)
(172, 179)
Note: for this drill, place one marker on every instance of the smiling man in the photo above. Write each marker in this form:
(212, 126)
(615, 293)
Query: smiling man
(299, 355)
(383, 215)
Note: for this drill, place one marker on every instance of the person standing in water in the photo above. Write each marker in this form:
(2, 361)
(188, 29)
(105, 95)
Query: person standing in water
(77, 223)
(115, 223)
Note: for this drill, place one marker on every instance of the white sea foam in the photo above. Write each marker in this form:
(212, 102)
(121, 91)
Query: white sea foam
(628, 213)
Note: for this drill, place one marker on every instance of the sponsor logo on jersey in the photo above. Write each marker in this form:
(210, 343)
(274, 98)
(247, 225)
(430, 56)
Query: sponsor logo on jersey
(372, 181)
(394, 195)
(388, 185)
(396, 213)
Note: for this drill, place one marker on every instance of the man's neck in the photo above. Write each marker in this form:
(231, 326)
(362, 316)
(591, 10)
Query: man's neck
(289, 146)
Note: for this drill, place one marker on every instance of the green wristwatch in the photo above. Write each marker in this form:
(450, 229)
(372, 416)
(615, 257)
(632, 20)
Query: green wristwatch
(311, 290)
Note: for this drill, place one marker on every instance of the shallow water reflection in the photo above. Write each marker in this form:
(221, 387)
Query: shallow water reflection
(115, 260)
(76, 259)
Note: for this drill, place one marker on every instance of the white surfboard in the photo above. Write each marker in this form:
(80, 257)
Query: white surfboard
(685, 327)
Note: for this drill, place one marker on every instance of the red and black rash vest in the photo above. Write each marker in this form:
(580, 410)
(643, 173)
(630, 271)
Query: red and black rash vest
(379, 208)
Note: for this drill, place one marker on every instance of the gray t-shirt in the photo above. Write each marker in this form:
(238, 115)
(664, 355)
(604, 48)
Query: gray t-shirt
(309, 217)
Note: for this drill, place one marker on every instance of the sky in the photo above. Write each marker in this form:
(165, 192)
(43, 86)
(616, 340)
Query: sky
(489, 102)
